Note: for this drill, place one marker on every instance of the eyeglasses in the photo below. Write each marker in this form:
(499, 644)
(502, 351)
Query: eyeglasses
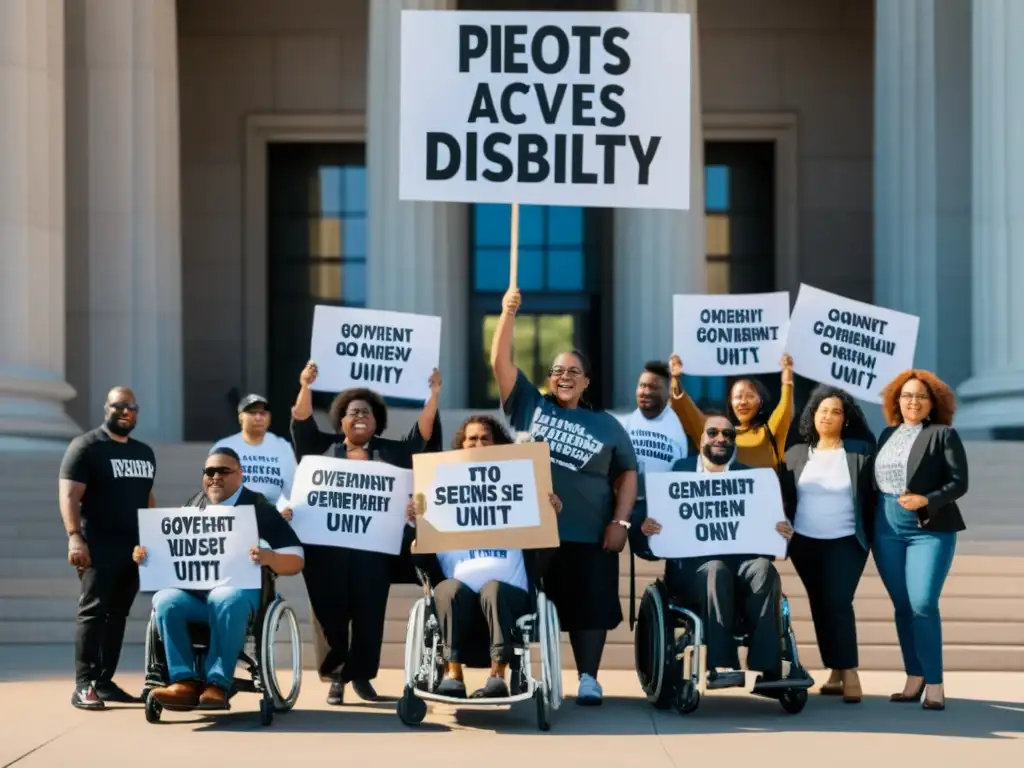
(921, 397)
(354, 413)
(713, 432)
(212, 471)
(558, 370)
(132, 407)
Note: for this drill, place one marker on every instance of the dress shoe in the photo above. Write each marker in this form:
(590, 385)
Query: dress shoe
(833, 686)
(336, 695)
(901, 698)
(364, 690)
(213, 697)
(929, 704)
(182, 694)
(86, 698)
(112, 693)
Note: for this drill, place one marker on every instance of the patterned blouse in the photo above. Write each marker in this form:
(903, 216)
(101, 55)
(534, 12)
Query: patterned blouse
(891, 462)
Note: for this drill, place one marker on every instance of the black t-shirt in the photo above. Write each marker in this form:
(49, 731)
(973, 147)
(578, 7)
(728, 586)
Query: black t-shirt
(118, 478)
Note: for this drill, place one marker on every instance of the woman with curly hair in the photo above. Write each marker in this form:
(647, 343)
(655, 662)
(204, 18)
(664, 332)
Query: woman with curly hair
(761, 431)
(829, 501)
(349, 585)
(920, 471)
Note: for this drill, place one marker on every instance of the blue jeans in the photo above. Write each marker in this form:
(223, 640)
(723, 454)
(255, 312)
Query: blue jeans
(913, 563)
(225, 610)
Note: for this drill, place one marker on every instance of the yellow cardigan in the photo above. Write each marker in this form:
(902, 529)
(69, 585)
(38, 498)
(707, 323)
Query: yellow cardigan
(753, 447)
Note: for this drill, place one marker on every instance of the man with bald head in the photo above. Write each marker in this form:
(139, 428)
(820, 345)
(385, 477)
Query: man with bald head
(105, 479)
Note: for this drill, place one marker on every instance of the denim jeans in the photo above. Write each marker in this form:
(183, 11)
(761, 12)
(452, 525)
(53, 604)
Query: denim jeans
(913, 563)
(225, 610)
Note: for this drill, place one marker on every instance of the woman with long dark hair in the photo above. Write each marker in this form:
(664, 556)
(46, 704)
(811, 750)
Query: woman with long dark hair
(829, 501)
(594, 473)
(350, 585)
(761, 432)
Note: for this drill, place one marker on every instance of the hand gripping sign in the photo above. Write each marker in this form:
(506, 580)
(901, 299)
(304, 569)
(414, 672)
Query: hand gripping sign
(484, 498)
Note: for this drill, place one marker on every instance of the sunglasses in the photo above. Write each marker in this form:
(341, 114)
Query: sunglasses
(213, 471)
(123, 407)
(728, 434)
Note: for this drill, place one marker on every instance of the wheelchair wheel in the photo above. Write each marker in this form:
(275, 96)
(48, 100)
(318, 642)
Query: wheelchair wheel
(794, 701)
(549, 636)
(153, 710)
(278, 612)
(687, 698)
(266, 711)
(651, 643)
(411, 708)
(415, 633)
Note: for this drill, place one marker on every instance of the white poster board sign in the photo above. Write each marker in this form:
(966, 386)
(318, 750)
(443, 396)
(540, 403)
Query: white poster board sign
(546, 108)
(705, 514)
(392, 353)
(850, 344)
(724, 335)
(494, 496)
(193, 548)
(353, 504)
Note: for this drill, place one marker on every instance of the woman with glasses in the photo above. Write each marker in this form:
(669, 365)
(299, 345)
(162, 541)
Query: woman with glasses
(349, 585)
(760, 432)
(920, 472)
(594, 473)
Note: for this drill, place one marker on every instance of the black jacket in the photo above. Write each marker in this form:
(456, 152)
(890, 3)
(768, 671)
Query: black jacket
(937, 470)
(859, 459)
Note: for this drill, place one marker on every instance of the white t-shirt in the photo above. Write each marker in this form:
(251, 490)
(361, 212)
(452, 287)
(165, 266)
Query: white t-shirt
(475, 567)
(658, 443)
(269, 467)
(824, 497)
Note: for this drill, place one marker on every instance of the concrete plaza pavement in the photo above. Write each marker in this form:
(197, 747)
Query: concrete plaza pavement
(983, 725)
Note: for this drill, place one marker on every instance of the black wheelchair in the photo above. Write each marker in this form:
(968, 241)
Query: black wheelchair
(257, 656)
(425, 665)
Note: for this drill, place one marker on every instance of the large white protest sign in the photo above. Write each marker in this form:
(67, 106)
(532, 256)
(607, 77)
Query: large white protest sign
(353, 504)
(393, 353)
(193, 548)
(704, 514)
(483, 497)
(722, 335)
(850, 344)
(546, 108)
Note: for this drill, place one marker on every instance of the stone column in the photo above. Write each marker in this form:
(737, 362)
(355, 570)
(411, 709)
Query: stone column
(923, 174)
(125, 209)
(658, 253)
(417, 259)
(994, 397)
(32, 386)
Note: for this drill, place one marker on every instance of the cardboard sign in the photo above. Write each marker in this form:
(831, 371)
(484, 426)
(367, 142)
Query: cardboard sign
(353, 504)
(392, 353)
(484, 498)
(725, 335)
(849, 344)
(193, 548)
(705, 514)
(546, 108)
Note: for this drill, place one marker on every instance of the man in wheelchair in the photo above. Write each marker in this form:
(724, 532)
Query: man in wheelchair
(717, 588)
(226, 610)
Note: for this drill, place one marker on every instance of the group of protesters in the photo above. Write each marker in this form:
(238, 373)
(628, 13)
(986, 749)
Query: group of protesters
(845, 494)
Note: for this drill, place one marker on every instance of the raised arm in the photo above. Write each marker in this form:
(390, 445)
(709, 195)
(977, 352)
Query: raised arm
(689, 415)
(782, 417)
(502, 364)
(429, 415)
(306, 436)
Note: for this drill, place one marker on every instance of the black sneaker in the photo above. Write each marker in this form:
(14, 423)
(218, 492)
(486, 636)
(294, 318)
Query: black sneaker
(364, 690)
(86, 698)
(336, 696)
(111, 693)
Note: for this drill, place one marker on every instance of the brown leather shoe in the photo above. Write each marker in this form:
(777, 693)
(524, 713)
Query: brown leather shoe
(213, 698)
(182, 694)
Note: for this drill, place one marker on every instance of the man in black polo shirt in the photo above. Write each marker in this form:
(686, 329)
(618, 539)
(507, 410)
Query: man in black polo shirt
(105, 479)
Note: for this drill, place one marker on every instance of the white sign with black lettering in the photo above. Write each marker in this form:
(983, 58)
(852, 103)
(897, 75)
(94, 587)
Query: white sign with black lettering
(483, 497)
(850, 344)
(392, 353)
(724, 335)
(704, 514)
(546, 108)
(353, 504)
(193, 548)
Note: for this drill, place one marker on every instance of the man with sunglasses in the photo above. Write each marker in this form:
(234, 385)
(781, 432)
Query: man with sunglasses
(106, 477)
(226, 609)
(716, 586)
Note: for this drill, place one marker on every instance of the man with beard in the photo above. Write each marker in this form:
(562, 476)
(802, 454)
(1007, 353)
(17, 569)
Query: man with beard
(714, 586)
(106, 477)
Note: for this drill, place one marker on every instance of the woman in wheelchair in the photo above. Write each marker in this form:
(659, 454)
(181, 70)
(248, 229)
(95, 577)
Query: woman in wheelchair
(226, 610)
(716, 587)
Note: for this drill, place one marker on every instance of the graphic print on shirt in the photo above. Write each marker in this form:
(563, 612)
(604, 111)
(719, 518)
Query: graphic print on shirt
(132, 468)
(499, 553)
(654, 446)
(571, 445)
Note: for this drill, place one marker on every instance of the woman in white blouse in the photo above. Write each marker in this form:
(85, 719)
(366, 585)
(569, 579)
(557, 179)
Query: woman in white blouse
(920, 472)
(829, 500)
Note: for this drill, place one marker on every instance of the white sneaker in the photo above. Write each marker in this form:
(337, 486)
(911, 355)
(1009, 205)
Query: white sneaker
(590, 692)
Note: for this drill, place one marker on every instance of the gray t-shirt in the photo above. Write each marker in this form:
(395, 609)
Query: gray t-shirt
(589, 450)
